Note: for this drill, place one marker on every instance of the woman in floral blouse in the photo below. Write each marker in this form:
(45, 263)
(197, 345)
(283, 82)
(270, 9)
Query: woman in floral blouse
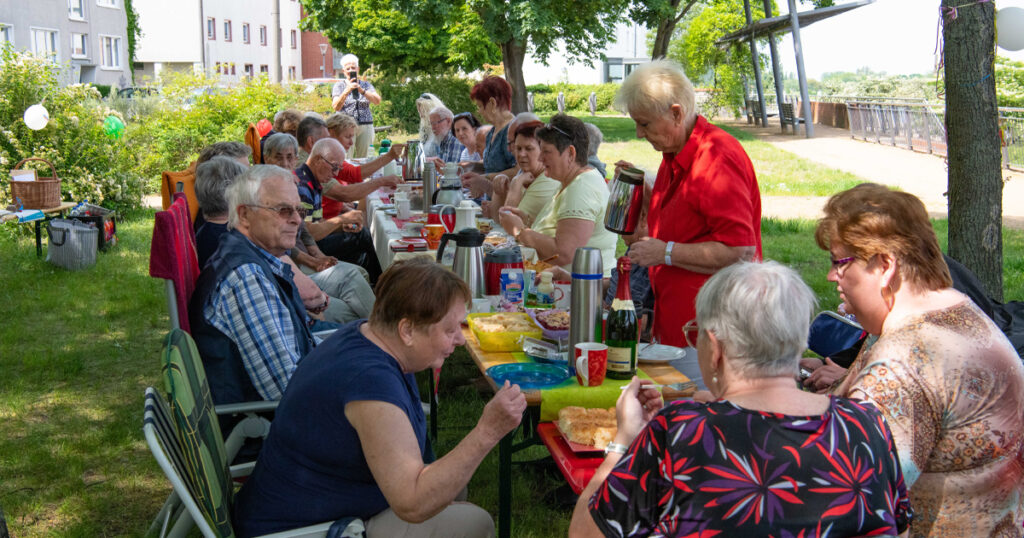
(763, 459)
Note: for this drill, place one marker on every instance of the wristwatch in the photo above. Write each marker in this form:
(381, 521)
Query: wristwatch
(616, 448)
(668, 252)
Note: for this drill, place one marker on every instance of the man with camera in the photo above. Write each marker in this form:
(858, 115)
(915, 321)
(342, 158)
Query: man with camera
(354, 97)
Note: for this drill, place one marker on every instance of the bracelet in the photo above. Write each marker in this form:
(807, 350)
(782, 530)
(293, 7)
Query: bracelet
(668, 252)
(616, 448)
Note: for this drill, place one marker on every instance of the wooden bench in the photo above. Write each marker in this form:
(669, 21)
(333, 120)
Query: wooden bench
(788, 117)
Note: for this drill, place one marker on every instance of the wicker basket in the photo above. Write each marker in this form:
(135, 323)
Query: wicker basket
(43, 193)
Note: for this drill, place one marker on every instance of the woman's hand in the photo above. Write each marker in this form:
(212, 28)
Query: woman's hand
(500, 183)
(647, 252)
(511, 219)
(824, 376)
(523, 180)
(477, 184)
(504, 412)
(622, 164)
(636, 407)
(396, 151)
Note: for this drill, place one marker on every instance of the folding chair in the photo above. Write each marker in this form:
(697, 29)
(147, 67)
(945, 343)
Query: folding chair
(252, 139)
(172, 257)
(187, 178)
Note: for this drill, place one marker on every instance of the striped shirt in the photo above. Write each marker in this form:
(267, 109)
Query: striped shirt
(247, 307)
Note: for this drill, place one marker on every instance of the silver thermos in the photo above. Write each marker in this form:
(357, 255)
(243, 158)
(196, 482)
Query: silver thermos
(625, 201)
(429, 184)
(585, 299)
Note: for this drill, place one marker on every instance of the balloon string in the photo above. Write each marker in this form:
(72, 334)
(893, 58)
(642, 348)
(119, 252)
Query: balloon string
(952, 12)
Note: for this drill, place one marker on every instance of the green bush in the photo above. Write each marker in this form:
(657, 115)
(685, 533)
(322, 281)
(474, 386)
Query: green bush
(90, 164)
(398, 105)
(104, 89)
(577, 97)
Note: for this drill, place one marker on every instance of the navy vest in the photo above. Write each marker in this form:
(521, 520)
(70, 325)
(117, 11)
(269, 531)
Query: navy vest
(229, 381)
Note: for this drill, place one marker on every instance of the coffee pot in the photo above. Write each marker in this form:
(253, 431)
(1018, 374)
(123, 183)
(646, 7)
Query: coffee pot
(412, 168)
(469, 258)
(625, 201)
(450, 192)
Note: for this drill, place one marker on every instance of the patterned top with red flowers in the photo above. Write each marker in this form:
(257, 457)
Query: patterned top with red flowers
(718, 469)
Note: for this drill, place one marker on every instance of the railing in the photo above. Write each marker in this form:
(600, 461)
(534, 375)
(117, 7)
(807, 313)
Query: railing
(1011, 129)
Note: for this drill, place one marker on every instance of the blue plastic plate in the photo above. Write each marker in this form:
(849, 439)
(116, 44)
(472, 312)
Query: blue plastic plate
(528, 375)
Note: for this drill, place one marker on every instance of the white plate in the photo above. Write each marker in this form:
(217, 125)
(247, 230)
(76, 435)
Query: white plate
(659, 353)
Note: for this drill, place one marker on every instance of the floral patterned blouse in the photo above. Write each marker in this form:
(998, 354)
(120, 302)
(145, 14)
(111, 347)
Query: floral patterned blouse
(718, 469)
(951, 387)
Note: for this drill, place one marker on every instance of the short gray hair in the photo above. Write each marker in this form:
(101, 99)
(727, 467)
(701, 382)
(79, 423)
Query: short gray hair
(245, 190)
(761, 312)
(654, 87)
(278, 142)
(213, 177)
(442, 111)
(349, 58)
(322, 147)
(594, 137)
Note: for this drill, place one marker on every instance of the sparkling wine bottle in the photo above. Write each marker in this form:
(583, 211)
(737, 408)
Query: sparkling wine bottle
(622, 329)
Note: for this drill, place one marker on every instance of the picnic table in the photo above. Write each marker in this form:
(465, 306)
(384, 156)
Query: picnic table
(48, 214)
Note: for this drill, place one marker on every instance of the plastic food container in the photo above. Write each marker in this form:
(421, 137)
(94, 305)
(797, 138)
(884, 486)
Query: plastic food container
(502, 340)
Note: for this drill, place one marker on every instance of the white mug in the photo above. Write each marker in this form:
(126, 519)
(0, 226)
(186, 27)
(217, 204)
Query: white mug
(451, 170)
(402, 208)
(561, 293)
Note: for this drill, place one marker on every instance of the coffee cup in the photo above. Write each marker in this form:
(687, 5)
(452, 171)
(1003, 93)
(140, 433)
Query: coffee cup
(432, 233)
(403, 210)
(451, 170)
(591, 363)
(561, 293)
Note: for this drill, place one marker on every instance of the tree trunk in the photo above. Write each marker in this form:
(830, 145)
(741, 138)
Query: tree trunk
(512, 55)
(972, 133)
(662, 38)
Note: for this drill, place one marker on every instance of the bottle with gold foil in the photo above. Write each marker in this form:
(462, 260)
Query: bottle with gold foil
(622, 330)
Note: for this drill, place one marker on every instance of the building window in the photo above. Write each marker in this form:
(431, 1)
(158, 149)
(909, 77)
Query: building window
(291, 73)
(245, 33)
(295, 39)
(263, 35)
(211, 28)
(6, 33)
(79, 47)
(227, 30)
(107, 3)
(44, 43)
(110, 48)
(264, 68)
(247, 70)
(76, 10)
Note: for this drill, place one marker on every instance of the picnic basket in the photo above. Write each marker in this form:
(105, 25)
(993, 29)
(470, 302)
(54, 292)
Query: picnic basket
(43, 193)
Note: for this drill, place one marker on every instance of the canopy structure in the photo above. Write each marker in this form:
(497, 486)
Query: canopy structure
(767, 28)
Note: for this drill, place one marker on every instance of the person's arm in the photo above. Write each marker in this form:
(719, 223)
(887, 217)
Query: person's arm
(350, 221)
(366, 170)
(416, 491)
(339, 99)
(570, 234)
(517, 187)
(705, 258)
(303, 258)
(313, 298)
(247, 308)
(371, 95)
(357, 191)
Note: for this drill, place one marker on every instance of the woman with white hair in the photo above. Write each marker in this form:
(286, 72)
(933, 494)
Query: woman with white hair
(354, 97)
(704, 211)
(765, 458)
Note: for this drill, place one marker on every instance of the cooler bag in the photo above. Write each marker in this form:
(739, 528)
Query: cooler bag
(72, 244)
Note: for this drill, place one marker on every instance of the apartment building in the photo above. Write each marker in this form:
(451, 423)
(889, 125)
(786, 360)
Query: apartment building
(87, 37)
(229, 39)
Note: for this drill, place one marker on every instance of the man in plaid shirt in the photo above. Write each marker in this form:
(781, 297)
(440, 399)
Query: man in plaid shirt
(447, 148)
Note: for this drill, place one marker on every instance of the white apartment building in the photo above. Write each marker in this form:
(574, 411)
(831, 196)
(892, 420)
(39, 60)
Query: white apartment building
(621, 56)
(229, 39)
(87, 37)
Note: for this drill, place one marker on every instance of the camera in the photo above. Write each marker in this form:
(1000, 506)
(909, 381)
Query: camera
(352, 78)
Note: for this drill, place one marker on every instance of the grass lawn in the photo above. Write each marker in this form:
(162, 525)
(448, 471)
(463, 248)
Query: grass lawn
(78, 349)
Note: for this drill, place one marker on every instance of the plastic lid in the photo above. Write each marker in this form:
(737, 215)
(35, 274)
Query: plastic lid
(504, 255)
(469, 237)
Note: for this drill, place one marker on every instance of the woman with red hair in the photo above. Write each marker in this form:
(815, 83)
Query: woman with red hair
(493, 99)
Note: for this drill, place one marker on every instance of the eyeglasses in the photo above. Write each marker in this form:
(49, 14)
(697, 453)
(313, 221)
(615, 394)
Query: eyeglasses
(840, 264)
(691, 327)
(334, 167)
(438, 122)
(283, 211)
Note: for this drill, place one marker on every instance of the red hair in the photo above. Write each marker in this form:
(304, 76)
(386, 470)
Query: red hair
(495, 88)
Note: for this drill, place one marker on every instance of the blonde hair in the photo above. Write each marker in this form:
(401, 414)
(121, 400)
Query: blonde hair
(654, 87)
(338, 122)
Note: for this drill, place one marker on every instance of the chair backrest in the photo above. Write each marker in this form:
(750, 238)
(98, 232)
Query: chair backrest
(172, 256)
(187, 177)
(199, 434)
(252, 139)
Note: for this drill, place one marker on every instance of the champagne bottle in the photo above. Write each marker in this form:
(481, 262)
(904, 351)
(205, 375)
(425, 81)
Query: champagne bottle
(622, 330)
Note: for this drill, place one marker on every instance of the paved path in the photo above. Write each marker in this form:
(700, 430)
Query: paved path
(921, 174)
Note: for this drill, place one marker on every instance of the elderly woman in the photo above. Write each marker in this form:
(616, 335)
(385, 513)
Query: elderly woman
(493, 99)
(765, 458)
(350, 437)
(704, 212)
(943, 375)
(575, 216)
(287, 121)
(530, 190)
(354, 97)
(464, 127)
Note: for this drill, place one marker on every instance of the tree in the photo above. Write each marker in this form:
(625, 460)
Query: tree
(972, 134)
(382, 35)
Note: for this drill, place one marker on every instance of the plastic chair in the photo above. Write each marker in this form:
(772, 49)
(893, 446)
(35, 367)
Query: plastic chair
(186, 442)
(172, 257)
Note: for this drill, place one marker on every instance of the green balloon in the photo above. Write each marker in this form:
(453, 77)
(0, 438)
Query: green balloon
(113, 126)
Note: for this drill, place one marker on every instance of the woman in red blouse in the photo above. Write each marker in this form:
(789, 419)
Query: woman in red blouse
(704, 211)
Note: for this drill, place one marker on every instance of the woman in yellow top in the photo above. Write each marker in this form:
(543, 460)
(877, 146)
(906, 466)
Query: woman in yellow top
(531, 189)
(575, 216)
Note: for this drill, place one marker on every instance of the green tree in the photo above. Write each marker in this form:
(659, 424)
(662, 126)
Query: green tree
(382, 34)
(1009, 82)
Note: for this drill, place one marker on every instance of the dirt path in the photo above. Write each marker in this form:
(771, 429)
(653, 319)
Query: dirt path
(921, 174)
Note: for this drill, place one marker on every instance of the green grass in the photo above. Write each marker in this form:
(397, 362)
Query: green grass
(78, 349)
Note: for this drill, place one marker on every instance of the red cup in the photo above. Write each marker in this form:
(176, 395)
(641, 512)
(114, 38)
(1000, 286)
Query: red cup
(591, 363)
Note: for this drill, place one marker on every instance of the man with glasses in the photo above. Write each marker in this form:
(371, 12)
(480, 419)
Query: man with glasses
(342, 236)
(448, 148)
(247, 317)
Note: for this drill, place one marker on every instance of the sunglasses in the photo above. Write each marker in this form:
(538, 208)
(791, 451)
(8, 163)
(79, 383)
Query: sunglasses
(555, 128)
(283, 211)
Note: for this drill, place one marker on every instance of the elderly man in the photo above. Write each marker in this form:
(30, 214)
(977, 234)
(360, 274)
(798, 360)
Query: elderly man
(341, 236)
(354, 97)
(247, 317)
(310, 130)
(447, 148)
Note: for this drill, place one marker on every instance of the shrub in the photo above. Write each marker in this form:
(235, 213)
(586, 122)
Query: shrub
(398, 105)
(104, 89)
(90, 164)
(577, 96)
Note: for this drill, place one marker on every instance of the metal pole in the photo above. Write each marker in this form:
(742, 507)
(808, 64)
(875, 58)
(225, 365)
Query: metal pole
(757, 68)
(798, 48)
(776, 70)
(275, 41)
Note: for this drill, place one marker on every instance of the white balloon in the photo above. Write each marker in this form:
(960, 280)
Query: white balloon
(36, 117)
(1010, 28)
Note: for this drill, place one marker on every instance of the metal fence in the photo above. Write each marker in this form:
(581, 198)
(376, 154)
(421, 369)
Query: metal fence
(920, 126)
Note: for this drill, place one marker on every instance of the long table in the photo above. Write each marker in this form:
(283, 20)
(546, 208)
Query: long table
(663, 373)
